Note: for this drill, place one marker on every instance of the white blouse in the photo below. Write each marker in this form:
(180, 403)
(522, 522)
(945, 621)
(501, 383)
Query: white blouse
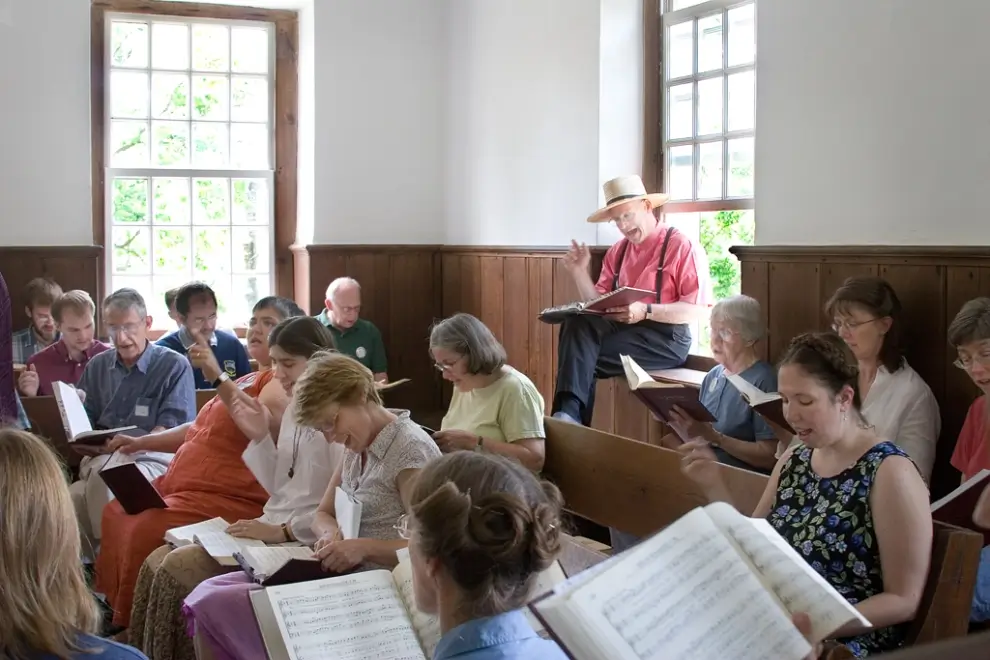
(902, 409)
(312, 461)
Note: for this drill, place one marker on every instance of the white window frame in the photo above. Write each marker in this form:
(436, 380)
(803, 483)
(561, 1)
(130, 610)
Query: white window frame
(110, 173)
(668, 18)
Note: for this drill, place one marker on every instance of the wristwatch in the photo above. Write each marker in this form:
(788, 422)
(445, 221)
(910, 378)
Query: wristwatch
(223, 378)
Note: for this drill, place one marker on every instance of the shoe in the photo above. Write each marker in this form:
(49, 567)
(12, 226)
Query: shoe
(564, 417)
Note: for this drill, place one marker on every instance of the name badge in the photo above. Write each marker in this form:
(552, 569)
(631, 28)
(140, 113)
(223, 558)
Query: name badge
(348, 512)
(141, 411)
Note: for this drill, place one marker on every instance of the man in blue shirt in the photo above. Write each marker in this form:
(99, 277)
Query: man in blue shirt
(196, 306)
(138, 383)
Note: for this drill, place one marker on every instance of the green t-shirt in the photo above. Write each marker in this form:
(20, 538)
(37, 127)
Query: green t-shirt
(361, 341)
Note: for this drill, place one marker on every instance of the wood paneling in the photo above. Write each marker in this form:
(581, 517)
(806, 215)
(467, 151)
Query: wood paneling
(793, 283)
(71, 267)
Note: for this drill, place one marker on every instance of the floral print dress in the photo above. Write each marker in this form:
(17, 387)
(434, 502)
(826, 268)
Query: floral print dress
(829, 522)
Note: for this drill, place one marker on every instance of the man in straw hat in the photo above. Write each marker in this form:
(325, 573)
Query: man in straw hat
(654, 330)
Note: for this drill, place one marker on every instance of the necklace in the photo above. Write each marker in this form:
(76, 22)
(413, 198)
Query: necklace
(295, 452)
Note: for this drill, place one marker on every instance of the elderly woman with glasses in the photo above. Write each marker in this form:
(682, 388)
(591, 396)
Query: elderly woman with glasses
(494, 408)
(740, 436)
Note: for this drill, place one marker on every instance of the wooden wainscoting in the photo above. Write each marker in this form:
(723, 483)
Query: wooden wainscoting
(73, 267)
(794, 282)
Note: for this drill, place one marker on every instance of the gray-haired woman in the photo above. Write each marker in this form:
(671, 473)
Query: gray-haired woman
(740, 436)
(494, 407)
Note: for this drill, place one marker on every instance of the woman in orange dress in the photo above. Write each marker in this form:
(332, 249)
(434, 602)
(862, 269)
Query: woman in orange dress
(206, 479)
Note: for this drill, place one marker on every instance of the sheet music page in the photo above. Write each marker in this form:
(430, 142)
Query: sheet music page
(187, 533)
(73, 413)
(266, 560)
(222, 544)
(685, 593)
(351, 617)
(427, 626)
(798, 586)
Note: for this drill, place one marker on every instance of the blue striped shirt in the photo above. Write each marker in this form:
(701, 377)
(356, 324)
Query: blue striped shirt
(157, 391)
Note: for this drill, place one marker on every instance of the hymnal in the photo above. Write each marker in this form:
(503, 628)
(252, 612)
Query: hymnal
(661, 396)
(76, 421)
(768, 404)
(361, 615)
(957, 507)
(619, 298)
(713, 585)
(129, 485)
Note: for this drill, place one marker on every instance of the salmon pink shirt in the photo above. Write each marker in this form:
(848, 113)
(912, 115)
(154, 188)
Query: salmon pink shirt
(972, 452)
(685, 272)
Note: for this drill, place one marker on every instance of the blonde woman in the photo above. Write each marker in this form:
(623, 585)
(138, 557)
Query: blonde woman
(384, 451)
(47, 610)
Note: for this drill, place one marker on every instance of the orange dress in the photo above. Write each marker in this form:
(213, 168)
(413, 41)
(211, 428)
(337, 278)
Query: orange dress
(206, 479)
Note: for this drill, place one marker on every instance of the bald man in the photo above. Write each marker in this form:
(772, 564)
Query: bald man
(353, 335)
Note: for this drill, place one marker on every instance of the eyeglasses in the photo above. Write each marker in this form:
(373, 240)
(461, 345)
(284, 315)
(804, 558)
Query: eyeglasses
(129, 329)
(401, 526)
(839, 326)
(966, 362)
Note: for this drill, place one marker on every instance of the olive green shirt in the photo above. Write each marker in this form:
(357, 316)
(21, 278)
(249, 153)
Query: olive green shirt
(362, 341)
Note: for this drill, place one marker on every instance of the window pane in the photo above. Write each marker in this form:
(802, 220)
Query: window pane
(710, 170)
(681, 172)
(251, 253)
(169, 46)
(128, 94)
(211, 48)
(680, 111)
(742, 35)
(211, 98)
(681, 49)
(249, 47)
(130, 200)
(710, 43)
(128, 144)
(131, 250)
(128, 44)
(212, 252)
(741, 167)
(170, 143)
(171, 201)
(742, 97)
(172, 250)
(210, 145)
(169, 96)
(710, 109)
(249, 146)
(251, 202)
(246, 291)
(249, 99)
(212, 203)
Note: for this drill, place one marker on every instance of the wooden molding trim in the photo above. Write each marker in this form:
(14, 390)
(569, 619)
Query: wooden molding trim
(862, 253)
(285, 118)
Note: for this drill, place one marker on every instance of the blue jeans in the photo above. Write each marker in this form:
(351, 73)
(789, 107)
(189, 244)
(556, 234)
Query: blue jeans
(981, 595)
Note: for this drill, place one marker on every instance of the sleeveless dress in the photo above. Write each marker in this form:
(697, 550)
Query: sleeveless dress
(829, 522)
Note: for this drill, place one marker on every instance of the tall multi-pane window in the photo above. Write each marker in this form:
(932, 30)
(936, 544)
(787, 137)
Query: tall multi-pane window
(708, 121)
(189, 149)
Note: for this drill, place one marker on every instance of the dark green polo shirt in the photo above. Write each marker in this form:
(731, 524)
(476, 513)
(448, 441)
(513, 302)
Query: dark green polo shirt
(362, 341)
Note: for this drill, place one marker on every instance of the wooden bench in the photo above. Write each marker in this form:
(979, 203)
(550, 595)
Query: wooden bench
(639, 489)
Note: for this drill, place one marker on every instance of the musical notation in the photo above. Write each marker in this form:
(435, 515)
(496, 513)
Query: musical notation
(345, 618)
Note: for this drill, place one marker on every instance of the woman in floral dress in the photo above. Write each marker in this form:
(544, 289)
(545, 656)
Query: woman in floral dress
(851, 503)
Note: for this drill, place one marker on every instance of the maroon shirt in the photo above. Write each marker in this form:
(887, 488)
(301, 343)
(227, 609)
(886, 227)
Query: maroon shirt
(54, 363)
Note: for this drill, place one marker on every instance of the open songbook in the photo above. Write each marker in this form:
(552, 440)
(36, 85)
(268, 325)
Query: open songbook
(129, 485)
(957, 507)
(621, 297)
(713, 585)
(768, 404)
(76, 421)
(362, 615)
(661, 396)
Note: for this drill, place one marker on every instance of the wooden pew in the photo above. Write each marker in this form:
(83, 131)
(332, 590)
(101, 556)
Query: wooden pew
(639, 489)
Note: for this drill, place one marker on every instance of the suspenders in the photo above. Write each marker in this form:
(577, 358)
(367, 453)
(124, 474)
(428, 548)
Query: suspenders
(663, 258)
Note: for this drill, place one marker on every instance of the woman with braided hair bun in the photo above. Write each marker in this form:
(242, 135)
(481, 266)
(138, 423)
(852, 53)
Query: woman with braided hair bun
(481, 530)
(851, 503)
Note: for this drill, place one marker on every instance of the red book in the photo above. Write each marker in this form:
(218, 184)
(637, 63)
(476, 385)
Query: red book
(957, 507)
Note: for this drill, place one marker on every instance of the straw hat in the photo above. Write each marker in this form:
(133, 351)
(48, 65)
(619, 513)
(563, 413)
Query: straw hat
(625, 189)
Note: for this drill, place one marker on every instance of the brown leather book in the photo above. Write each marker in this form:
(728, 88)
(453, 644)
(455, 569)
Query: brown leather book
(129, 485)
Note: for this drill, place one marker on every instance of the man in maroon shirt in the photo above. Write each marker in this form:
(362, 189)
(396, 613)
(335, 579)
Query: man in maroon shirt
(64, 360)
